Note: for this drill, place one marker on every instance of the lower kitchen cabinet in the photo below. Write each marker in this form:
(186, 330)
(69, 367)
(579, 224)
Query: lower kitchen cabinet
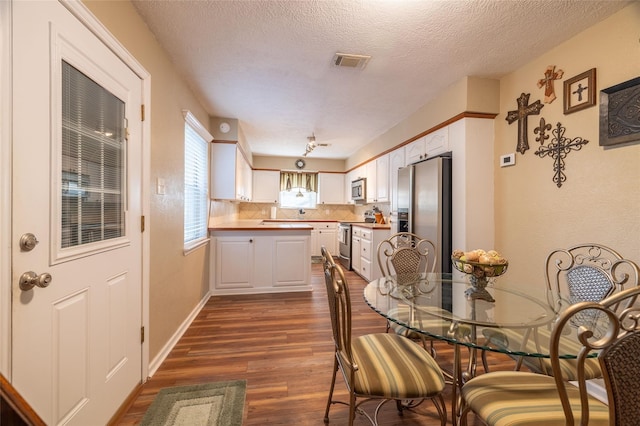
(364, 246)
(264, 262)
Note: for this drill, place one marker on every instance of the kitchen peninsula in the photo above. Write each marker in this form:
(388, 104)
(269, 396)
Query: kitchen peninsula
(255, 256)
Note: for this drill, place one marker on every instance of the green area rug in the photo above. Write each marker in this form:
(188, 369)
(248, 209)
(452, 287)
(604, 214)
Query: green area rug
(209, 404)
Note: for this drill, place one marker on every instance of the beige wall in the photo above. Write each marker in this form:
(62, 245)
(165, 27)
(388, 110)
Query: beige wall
(177, 282)
(600, 200)
(287, 163)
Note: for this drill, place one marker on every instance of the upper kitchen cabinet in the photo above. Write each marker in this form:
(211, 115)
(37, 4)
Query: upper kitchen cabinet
(396, 161)
(378, 180)
(230, 173)
(428, 146)
(266, 186)
(331, 188)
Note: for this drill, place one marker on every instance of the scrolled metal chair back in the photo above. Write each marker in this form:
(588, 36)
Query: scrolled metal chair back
(340, 311)
(616, 338)
(406, 254)
(586, 272)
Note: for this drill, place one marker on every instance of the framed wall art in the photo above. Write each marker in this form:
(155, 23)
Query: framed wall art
(620, 113)
(580, 91)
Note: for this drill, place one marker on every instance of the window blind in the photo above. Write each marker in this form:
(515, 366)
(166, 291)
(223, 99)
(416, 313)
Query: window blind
(92, 163)
(195, 185)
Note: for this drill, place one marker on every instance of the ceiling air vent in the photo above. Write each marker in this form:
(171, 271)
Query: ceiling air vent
(350, 61)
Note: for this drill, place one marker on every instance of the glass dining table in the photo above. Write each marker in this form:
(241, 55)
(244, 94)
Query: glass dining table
(438, 306)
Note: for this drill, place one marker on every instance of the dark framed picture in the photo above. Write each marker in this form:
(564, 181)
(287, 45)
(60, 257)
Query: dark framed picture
(620, 114)
(580, 91)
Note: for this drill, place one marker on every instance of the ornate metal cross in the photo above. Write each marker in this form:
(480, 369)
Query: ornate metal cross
(549, 90)
(521, 114)
(558, 149)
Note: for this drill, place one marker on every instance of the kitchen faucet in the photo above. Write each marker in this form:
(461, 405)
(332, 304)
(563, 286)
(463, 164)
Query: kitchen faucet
(301, 212)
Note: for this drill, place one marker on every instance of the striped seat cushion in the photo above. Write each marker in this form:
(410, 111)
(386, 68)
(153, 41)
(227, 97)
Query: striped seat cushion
(511, 398)
(392, 366)
(514, 340)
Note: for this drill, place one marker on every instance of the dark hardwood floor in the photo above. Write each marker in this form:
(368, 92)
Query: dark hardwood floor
(281, 345)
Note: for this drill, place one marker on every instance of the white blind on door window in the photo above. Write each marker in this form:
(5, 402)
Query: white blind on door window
(195, 185)
(92, 164)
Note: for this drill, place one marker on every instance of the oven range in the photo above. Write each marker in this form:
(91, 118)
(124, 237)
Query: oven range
(344, 242)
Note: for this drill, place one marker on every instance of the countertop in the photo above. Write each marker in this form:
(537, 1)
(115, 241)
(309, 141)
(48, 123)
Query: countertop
(261, 225)
(372, 225)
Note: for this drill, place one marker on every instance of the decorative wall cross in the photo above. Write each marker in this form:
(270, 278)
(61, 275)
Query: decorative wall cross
(558, 149)
(521, 114)
(549, 89)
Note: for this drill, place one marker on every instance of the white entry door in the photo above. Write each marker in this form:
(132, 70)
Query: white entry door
(76, 208)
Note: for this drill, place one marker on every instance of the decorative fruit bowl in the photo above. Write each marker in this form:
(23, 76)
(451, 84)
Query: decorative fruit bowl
(480, 266)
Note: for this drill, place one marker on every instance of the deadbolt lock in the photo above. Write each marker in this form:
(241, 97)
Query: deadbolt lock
(28, 241)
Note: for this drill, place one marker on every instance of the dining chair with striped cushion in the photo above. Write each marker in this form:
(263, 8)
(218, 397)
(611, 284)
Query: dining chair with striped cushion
(378, 366)
(518, 398)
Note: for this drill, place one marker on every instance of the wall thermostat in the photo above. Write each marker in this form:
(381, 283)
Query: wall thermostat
(508, 160)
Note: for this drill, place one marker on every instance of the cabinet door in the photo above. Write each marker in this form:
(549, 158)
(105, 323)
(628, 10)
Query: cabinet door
(382, 179)
(234, 262)
(355, 253)
(415, 151)
(372, 186)
(223, 171)
(396, 161)
(329, 239)
(266, 186)
(291, 261)
(437, 142)
(331, 188)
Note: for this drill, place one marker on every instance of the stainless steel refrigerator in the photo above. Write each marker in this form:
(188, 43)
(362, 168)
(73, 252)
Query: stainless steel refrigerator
(424, 205)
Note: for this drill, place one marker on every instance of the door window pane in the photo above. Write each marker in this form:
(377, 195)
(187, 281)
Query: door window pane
(93, 148)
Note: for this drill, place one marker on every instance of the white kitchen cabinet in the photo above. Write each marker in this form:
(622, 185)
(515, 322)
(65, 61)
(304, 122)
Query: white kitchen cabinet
(230, 173)
(251, 262)
(327, 235)
(355, 249)
(369, 238)
(382, 179)
(291, 261)
(233, 254)
(331, 188)
(266, 186)
(323, 233)
(435, 143)
(396, 161)
(377, 172)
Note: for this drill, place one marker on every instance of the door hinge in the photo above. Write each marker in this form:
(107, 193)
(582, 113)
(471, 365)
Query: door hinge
(142, 334)
(141, 223)
(142, 112)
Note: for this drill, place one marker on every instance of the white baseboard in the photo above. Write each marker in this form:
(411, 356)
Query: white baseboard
(164, 352)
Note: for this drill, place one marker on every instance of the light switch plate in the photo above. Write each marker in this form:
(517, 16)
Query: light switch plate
(160, 187)
(508, 160)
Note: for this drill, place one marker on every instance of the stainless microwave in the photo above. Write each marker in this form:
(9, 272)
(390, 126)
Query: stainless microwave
(359, 189)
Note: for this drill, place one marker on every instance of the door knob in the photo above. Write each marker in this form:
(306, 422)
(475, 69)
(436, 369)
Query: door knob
(30, 279)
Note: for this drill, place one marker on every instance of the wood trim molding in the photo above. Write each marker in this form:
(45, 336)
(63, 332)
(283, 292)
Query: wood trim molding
(18, 404)
(466, 114)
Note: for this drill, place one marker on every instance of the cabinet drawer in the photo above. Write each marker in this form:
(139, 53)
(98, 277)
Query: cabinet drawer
(330, 225)
(356, 232)
(366, 234)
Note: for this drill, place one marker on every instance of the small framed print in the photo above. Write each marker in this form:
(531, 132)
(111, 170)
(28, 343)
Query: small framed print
(580, 91)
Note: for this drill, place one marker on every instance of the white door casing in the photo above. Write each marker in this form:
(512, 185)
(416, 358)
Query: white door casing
(76, 347)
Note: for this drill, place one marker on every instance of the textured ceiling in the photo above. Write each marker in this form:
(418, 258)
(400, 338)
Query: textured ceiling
(268, 63)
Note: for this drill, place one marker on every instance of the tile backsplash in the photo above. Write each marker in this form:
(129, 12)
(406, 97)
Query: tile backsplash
(339, 212)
